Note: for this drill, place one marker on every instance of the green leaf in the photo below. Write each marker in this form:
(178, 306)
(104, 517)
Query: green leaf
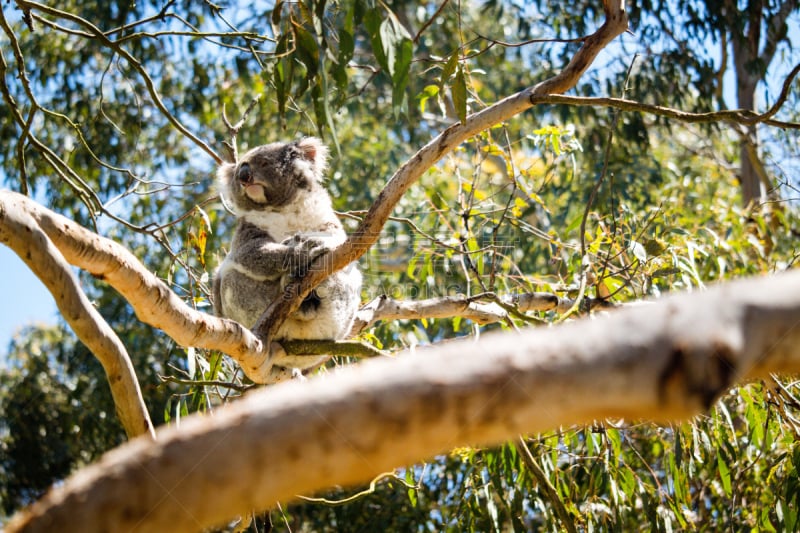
(412, 265)
(724, 474)
(573, 225)
(627, 483)
(654, 247)
(555, 141)
(428, 92)
(402, 66)
(449, 69)
(307, 49)
(391, 43)
(665, 272)
(372, 22)
(282, 74)
(459, 92)
(615, 438)
(412, 492)
(347, 46)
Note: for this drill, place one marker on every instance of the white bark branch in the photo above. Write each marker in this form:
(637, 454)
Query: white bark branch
(661, 362)
(151, 299)
(21, 233)
(732, 116)
(387, 308)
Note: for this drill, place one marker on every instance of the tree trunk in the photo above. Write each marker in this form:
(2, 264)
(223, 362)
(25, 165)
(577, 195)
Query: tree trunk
(745, 59)
(754, 46)
(754, 190)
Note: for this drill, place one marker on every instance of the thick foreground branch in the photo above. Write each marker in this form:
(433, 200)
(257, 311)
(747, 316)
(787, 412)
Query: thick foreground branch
(661, 362)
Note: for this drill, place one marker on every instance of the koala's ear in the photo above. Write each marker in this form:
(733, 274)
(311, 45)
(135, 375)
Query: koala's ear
(316, 153)
(225, 175)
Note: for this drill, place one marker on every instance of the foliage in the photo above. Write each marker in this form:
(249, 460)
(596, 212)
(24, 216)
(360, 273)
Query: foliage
(574, 201)
(56, 416)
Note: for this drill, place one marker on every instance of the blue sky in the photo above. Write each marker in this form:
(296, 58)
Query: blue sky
(25, 298)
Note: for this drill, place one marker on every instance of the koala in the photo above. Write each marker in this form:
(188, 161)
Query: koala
(285, 221)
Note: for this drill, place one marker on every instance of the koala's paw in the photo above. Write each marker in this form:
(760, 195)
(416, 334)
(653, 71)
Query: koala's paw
(304, 251)
(311, 246)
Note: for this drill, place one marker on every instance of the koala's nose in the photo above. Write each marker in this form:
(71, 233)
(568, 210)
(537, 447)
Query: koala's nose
(244, 174)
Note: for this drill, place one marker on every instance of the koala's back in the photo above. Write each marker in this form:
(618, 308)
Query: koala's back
(240, 296)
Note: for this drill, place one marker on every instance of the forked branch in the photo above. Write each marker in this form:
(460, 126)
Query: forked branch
(21, 232)
(151, 299)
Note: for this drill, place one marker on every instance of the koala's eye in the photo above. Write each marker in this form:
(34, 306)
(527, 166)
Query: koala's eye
(244, 174)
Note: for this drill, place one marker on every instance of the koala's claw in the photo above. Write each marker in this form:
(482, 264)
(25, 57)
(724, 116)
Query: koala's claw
(294, 240)
(311, 247)
(304, 250)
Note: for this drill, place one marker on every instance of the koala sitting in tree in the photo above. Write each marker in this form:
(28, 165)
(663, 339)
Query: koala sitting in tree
(284, 221)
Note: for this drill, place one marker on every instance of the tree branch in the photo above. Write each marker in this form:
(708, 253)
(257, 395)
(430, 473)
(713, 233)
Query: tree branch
(357, 349)
(733, 116)
(544, 484)
(21, 233)
(387, 308)
(776, 30)
(153, 302)
(662, 362)
(367, 233)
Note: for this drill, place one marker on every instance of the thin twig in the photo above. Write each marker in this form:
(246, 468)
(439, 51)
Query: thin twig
(133, 62)
(373, 484)
(430, 21)
(541, 479)
(207, 383)
(734, 116)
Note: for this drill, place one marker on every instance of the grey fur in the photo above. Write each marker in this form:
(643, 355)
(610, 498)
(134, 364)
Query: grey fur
(285, 221)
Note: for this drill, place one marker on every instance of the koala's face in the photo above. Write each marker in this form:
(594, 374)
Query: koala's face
(271, 176)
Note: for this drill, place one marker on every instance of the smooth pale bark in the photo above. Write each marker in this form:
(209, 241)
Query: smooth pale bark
(151, 299)
(387, 308)
(21, 232)
(661, 362)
